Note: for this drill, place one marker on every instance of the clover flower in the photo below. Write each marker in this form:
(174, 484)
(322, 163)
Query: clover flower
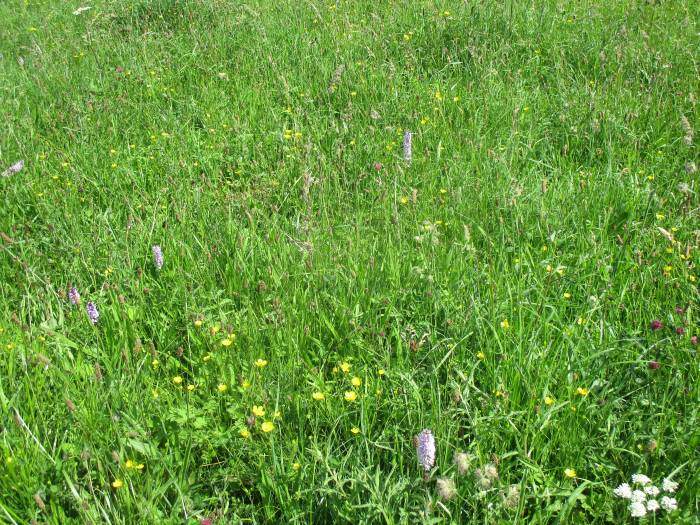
(653, 505)
(637, 509)
(669, 485)
(641, 479)
(623, 491)
(425, 449)
(668, 504)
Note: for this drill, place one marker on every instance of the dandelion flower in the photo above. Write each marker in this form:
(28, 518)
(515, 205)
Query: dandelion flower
(446, 488)
(652, 505)
(117, 483)
(669, 504)
(356, 381)
(318, 396)
(623, 491)
(669, 486)
(425, 449)
(267, 426)
(350, 395)
(637, 509)
(157, 256)
(641, 479)
(260, 363)
(570, 473)
(92, 312)
(258, 411)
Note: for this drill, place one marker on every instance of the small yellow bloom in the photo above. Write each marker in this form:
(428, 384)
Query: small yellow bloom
(660, 216)
(567, 295)
(570, 473)
(296, 466)
(190, 388)
(350, 395)
(222, 387)
(207, 357)
(548, 400)
(267, 426)
(198, 323)
(154, 393)
(215, 329)
(355, 430)
(258, 411)
(481, 355)
(117, 483)
(505, 324)
(226, 342)
(155, 363)
(582, 391)
(404, 200)
(177, 380)
(345, 367)
(318, 396)
(245, 384)
(244, 433)
(260, 363)
(356, 381)
(381, 372)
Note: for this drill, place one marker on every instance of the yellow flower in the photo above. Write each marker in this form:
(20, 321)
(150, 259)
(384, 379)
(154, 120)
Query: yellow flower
(318, 396)
(198, 323)
(481, 355)
(244, 433)
(345, 367)
(206, 357)
(177, 380)
(660, 216)
(567, 295)
(267, 426)
(505, 324)
(356, 381)
(155, 363)
(117, 483)
(190, 388)
(355, 430)
(260, 363)
(350, 395)
(215, 329)
(381, 372)
(570, 473)
(222, 388)
(404, 200)
(548, 400)
(154, 393)
(129, 464)
(227, 342)
(296, 466)
(582, 391)
(245, 384)
(258, 411)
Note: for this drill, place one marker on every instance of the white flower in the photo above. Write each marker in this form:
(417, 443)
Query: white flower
(669, 486)
(669, 504)
(637, 509)
(641, 479)
(637, 496)
(652, 490)
(623, 491)
(652, 505)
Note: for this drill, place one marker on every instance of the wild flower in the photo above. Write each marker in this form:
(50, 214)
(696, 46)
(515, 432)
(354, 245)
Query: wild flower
(641, 479)
(15, 168)
(318, 396)
(117, 483)
(570, 473)
(669, 486)
(668, 504)
(407, 149)
(623, 491)
(651, 490)
(425, 449)
(267, 426)
(639, 504)
(350, 396)
(512, 497)
(157, 256)
(656, 325)
(637, 509)
(462, 461)
(446, 488)
(356, 381)
(652, 505)
(74, 296)
(258, 411)
(92, 312)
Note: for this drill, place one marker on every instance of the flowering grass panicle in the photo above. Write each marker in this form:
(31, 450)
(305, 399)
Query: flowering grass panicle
(425, 448)
(157, 256)
(93, 313)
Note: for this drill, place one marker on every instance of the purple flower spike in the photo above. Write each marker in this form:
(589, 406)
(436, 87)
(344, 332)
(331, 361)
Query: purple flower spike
(92, 312)
(425, 448)
(157, 256)
(15, 168)
(407, 150)
(74, 296)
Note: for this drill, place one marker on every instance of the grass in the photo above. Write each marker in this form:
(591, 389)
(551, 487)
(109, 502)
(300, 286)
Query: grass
(497, 290)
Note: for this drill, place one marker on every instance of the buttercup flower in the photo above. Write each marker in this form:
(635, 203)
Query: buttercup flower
(267, 426)
(258, 411)
(260, 363)
(222, 387)
(345, 367)
(117, 483)
(570, 473)
(350, 395)
(356, 381)
(318, 396)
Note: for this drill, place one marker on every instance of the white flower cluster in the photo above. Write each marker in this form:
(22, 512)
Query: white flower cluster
(642, 495)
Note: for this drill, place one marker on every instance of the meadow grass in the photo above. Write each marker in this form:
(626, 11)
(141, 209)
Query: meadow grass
(498, 289)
